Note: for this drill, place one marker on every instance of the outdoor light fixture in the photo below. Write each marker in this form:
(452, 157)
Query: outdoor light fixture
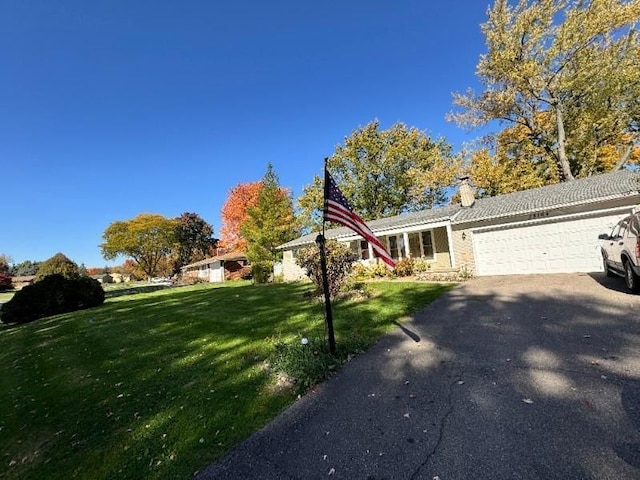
(464, 236)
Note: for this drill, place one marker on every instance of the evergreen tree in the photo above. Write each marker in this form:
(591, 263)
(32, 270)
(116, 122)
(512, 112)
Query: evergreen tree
(25, 268)
(269, 224)
(82, 270)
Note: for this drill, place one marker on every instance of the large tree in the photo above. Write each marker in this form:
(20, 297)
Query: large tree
(507, 163)
(566, 72)
(269, 224)
(234, 213)
(384, 173)
(148, 239)
(194, 238)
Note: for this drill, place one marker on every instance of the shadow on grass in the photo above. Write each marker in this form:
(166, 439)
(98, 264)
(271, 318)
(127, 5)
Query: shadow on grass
(512, 377)
(157, 385)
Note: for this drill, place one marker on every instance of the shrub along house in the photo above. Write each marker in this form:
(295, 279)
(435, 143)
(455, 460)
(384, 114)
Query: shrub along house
(552, 229)
(426, 234)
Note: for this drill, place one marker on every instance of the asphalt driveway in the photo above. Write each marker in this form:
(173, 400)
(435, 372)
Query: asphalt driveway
(526, 377)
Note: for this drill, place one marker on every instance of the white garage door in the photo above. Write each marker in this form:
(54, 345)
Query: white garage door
(550, 246)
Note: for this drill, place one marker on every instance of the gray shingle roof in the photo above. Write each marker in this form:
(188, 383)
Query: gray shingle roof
(384, 224)
(586, 190)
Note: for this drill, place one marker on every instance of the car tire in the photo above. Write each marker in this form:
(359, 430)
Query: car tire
(630, 278)
(607, 270)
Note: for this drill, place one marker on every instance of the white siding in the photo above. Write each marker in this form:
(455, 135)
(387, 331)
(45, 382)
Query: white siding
(561, 245)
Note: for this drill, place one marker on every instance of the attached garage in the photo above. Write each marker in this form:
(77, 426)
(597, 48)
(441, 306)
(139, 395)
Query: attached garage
(554, 245)
(552, 229)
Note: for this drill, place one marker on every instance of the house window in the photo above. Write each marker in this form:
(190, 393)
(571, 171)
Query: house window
(415, 248)
(397, 248)
(427, 245)
(393, 247)
(364, 250)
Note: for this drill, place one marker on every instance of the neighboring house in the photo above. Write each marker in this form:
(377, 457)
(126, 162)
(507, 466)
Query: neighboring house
(120, 277)
(230, 266)
(552, 229)
(103, 278)
(22, 281)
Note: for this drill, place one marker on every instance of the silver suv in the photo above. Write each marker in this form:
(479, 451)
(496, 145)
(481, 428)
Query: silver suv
(621, 251)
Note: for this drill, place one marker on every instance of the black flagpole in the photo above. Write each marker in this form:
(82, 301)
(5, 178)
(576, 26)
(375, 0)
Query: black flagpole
(320, 241)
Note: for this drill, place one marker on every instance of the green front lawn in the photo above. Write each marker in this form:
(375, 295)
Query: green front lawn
(158, 385)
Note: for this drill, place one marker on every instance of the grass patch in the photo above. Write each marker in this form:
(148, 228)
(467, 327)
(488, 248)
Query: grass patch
(157, 385)
(6, 296)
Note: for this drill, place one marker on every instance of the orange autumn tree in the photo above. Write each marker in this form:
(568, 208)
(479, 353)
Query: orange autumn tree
(234, 214)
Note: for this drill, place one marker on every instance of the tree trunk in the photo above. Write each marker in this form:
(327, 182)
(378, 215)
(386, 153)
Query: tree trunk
(627, 153)
(565, 168)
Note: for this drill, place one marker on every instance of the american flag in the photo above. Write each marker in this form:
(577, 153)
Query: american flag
(337, 210)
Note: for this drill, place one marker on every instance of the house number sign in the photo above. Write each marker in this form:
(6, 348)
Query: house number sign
(533, 216)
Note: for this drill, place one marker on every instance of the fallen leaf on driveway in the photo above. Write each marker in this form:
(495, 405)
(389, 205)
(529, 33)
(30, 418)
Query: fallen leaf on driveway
(406, 415)
(527, 400)
(332, 471)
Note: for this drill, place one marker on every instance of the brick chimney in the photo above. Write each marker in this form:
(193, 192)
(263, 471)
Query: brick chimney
(467, 198)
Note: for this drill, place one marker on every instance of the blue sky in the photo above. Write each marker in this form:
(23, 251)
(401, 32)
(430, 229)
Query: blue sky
(111, 108)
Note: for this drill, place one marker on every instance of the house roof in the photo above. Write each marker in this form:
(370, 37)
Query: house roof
(23, 278)
(225, 257)
(434, 215)
(606, 186)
